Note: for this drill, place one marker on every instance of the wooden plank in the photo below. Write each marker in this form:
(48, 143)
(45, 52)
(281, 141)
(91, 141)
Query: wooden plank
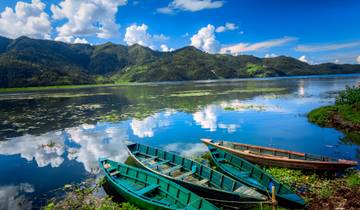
(158, 163)
(114, 173)
(184, 175)
(147, 189)
(201, 182)
(149, 159)
(167, 171)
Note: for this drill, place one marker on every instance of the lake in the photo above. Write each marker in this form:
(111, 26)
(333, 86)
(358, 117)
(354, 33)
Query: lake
(51, 138)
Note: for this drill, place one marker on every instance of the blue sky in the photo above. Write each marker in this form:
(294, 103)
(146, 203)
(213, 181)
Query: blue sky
(313, 31)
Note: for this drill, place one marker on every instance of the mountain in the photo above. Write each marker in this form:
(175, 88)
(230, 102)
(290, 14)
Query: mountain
(31, 62)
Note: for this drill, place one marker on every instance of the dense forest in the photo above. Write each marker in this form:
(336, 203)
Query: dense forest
(29, 62)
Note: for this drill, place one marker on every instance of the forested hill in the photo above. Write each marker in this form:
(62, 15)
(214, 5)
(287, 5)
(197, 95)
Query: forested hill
(30, 62)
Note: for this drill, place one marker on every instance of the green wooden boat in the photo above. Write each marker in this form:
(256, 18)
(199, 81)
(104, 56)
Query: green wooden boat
(250, 174)
(212, 185)
(149, 191)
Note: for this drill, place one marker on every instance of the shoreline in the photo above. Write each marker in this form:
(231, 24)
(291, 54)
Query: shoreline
(320, 191)
(66, 87)
(340, 117)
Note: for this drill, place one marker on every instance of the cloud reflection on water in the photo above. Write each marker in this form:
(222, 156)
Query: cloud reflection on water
(95, 143)
(46, 149)
(186, 149)
(84, 144)
(13, 197)
(145, 127)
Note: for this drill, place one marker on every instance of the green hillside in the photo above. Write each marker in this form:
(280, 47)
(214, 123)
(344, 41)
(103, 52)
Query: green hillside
(29, 62)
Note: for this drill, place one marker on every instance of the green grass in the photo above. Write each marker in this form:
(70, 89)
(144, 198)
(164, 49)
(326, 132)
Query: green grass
(322, 115)
(350, 113)
(353, 180)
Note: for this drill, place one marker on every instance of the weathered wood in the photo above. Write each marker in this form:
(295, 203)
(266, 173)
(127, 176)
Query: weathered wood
(274, 157)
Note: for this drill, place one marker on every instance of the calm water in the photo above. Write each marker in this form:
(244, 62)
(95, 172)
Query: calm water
(52, 138)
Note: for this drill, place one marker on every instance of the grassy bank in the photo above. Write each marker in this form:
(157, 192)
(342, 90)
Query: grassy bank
(322, 191)
(84, 197)
(344, 115)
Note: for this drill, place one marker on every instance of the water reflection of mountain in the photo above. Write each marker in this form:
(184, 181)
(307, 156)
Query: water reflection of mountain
(41, 112)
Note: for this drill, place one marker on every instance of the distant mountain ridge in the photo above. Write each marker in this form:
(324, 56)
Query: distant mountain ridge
(31, 62)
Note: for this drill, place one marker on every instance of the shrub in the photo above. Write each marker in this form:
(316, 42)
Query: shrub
(349, 96)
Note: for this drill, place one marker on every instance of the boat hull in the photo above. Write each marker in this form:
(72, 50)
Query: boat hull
(256, 178)
(149, 191)
(285, 162)
(127, 196)
(217, 197)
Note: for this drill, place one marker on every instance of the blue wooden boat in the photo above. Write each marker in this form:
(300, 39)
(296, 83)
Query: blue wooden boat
(250, 174)
(150, 191)
(212, 185)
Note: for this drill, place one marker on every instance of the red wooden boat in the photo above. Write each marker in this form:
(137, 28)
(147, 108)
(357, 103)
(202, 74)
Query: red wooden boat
(282, 158)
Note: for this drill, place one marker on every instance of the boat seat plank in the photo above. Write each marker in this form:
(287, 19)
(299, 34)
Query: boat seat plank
(243, 174)
(149, 159)
(135, 152)
(167, 171)
(241, 189)
(182, 176)
(111, 168)
(158, 163)
(215, 153)
(147, 189)
(221, 159)
(114, 173)
(201, 182)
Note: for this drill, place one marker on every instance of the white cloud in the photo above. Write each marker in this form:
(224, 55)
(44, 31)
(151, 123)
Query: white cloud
(207, 118)
(71, 39)
(13, 197)
(303, 59)
(190, 5)
(358, 59)
(27, 19)
(94, 144)
(46, 149)
(187, 149)
(231, 128)
(90, 144)
(227, 27)
(326, 47)
(239, 48)
(165, 48)
(336, 61)
(137, 34)
(270, 55)
(87, 18)
(81, 41)
(145, 127)
(205, 39)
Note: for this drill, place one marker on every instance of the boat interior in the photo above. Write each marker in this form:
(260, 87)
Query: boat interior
(272, 152)
(247, 172)
(151, 188)
(187, 170)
